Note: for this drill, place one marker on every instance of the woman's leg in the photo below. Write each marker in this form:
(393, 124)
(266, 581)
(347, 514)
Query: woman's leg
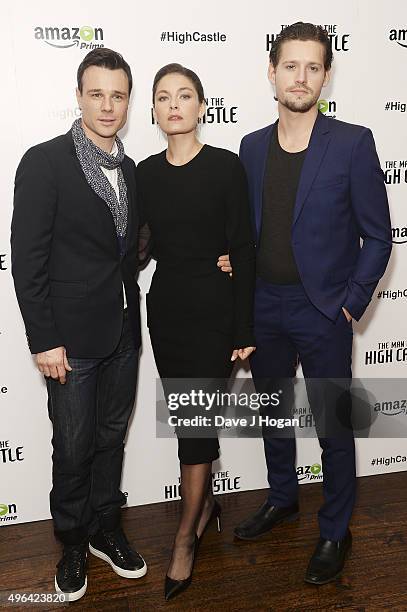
(194, 489)
(208, 505)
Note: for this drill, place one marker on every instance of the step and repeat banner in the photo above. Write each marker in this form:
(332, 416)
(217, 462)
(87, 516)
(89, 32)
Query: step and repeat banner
(227, 44)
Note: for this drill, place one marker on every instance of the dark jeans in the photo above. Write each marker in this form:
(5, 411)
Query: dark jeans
(89, 415)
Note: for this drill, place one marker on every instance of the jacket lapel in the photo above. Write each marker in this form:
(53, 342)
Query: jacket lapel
(259, 164)
(71, 145)
(318, 144)
(130, 179)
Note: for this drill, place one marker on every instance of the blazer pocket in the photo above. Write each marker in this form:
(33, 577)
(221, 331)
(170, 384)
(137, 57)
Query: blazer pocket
(334, 182)
(68, 289)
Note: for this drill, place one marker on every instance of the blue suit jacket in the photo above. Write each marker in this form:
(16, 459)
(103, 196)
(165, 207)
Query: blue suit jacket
(341, 198)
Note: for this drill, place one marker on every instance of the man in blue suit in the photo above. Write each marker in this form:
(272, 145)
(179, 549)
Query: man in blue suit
(317, 192)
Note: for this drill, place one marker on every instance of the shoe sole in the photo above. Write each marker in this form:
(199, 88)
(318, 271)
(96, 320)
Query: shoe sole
(119, 571)
(289, 519)
(322, 582)
(75, 595)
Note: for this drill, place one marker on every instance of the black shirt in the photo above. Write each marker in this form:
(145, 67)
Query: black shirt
(275, 258)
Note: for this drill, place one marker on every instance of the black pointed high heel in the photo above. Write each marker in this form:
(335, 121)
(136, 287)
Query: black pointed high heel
(215, 514)
(172, 587)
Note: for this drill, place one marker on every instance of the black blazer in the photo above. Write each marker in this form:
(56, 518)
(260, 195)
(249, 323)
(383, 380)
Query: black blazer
(65, 254)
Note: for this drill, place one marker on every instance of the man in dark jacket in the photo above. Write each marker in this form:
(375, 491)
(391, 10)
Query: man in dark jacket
(317, 191)
(74, 261)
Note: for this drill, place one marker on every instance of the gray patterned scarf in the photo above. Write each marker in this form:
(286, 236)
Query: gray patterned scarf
(91, 158)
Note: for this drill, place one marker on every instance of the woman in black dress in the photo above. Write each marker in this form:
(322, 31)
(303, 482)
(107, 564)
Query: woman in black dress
(200, 319)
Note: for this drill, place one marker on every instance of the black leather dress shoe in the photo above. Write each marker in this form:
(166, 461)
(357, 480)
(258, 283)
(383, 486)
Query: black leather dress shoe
(71, 578)
(113, 547)
(328, 560)
(264, 519)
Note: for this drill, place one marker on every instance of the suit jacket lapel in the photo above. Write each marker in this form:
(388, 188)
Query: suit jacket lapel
(130, 179)
(261, 153)
(76, 160)
(318, 144)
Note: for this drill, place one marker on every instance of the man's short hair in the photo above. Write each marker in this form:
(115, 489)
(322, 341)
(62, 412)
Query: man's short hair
(302, 31)
(105, 58)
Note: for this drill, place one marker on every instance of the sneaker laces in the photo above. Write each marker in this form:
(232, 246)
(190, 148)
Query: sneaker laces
(72, 561)
(119, 542)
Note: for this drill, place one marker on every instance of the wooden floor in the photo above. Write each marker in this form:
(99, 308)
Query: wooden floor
(230, 574)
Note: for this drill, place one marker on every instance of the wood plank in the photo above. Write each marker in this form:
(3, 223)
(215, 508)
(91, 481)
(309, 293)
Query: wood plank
(267, 574)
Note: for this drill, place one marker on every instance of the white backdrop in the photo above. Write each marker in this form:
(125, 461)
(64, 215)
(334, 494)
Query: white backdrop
(43, 43)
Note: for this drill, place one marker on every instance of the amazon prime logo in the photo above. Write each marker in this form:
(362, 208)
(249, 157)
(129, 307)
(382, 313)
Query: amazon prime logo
(399, 36)
(392, 408)
(85, 37)
(399, 235)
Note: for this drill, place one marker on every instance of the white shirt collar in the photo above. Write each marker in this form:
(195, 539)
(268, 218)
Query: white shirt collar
(114, 150)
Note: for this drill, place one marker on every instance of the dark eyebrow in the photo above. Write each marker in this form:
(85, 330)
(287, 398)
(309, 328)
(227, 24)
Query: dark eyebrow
(294, 61)
(180, 89)
(116, 91)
